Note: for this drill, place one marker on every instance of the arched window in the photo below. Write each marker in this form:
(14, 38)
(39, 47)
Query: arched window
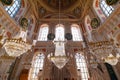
(81, 66)
(37, 65)
(76, 33)
(59, 32)
(107, 10)
(43, 32)
(14, 8)
(102, 9)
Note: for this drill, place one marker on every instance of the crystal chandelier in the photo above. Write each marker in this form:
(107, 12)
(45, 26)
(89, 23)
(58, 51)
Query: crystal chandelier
(16, 46)
(103, 51)
(111, 59)
(59, 58)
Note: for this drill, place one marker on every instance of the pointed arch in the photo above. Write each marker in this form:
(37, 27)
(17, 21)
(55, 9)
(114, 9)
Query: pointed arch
(59, 32)
(43, 32)
(37, 65)
(77, 36)
(82, 66)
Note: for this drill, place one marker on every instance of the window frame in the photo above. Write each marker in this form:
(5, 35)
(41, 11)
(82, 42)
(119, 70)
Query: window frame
(77, 36)
(82, 66)
(37, 65)
(107, 10)
(59, 35)
(14, 8)
(43, 32)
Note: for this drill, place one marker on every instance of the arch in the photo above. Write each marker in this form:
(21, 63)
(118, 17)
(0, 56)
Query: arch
(14, 8)
(59, 32)
(88, 27)
(43, 32)
(82, 66)
(37, 66)
(77, 36)
(87, 23)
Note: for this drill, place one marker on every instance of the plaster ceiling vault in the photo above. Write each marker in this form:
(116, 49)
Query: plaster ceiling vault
(49, 9)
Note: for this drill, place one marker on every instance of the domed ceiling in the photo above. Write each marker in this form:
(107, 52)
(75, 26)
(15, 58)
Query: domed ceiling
(70, 8)
(63, 4)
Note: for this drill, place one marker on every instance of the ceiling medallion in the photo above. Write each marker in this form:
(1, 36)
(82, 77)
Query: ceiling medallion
(24, 23)
(95, 23)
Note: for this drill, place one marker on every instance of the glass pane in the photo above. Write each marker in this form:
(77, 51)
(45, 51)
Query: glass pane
(81, 66)
(107, 10)
(12, 10)
(43, 33)
(76, 33)
(37, 65)
(59, 32)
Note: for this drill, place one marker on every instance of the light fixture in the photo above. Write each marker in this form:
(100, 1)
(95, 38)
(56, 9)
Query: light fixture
(112, 60)
(102, 51)
(16, 46)
(59, 58)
